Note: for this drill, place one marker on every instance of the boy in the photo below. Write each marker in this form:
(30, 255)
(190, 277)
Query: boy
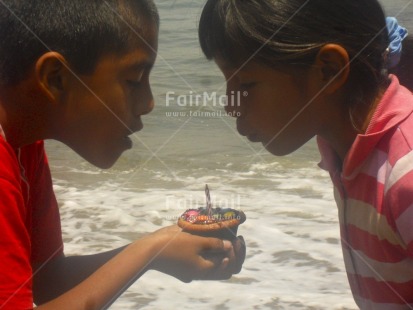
(78, 72)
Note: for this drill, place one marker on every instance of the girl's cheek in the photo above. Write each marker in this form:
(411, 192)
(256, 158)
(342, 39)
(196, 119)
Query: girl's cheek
(230, 105)
(230, 109)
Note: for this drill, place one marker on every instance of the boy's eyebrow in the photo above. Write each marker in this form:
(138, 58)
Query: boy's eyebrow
(143, 65)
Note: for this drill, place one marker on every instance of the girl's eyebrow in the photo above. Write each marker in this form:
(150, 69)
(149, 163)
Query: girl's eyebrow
(229, 67)
(239, 67)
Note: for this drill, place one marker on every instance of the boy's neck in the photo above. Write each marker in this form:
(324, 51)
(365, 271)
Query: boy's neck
(22, 115)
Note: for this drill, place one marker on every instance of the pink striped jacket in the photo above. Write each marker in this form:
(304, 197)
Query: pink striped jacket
(374, 193)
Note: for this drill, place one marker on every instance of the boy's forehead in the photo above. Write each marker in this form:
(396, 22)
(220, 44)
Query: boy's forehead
(143, 50)
(135, 60)
(139, 58)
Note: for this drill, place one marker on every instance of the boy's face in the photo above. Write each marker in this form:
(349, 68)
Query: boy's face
(102, 110)
(273, 108)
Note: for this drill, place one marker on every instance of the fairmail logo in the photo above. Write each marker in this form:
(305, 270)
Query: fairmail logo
(205, 99)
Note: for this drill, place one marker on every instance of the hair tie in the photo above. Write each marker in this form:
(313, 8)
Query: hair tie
(397, 34)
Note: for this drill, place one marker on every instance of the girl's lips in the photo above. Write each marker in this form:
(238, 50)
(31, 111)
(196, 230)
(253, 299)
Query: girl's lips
(243, 131)
(253, 138)
(241, 128)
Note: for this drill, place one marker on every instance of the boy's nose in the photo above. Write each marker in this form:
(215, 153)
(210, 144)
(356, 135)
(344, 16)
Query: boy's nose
(150, 106)
(146, 103)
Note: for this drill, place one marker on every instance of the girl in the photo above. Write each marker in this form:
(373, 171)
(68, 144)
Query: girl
(322, 68)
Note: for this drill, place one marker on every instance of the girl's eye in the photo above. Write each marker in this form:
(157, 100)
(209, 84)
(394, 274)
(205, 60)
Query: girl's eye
(246, 86)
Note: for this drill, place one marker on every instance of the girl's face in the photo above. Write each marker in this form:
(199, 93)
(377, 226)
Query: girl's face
(280, 109)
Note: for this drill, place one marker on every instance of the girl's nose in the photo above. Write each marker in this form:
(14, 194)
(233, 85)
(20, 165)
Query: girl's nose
(233, 104)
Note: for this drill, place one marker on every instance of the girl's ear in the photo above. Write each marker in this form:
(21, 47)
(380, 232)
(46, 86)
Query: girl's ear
(51, 73)
(334, 67)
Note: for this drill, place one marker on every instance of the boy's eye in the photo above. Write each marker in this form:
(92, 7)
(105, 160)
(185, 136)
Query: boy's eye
(135, 80)
(133, 83)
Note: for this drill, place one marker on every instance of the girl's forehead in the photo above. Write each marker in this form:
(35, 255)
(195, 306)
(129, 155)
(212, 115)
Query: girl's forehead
(239, 67)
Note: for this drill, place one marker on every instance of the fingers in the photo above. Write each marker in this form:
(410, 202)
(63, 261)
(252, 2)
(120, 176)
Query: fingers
(214, 245)
(222, 262)
(240, 253)
(188, 257)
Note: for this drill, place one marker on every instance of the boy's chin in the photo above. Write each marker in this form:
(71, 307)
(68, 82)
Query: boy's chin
(104, 165)
(103, 162)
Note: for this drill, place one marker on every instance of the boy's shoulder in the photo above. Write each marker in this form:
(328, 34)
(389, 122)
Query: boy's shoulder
(11, 159)
(8, 160)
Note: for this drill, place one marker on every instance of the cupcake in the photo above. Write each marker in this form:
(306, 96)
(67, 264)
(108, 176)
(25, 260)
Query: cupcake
(212, 222)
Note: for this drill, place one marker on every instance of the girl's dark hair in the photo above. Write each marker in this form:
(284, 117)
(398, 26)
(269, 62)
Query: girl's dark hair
(283, 32)
(404, 70)
(81, 30)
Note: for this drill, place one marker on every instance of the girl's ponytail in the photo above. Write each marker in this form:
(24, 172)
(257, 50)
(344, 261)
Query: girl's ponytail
(404, 69)
(400, 53)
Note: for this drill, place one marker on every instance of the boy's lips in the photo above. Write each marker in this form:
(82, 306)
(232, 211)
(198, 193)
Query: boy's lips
(138, 126)
(135, 127)
(128, 142)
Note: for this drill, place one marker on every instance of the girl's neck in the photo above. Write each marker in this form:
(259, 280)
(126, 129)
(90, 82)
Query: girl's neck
(344, 130)
(369, 113)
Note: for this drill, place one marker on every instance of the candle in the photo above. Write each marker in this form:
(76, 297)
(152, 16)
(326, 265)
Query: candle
(208, 201)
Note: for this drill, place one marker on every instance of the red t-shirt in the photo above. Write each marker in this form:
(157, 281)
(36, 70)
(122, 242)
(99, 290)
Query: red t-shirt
(30, 231)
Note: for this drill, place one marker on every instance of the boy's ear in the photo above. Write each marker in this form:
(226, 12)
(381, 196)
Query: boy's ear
(51, 72)
(334, 64)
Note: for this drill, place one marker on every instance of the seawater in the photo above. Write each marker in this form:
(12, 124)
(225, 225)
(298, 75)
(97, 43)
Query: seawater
(294, 258)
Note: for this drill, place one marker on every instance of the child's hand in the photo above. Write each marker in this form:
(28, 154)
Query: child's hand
(189, 257)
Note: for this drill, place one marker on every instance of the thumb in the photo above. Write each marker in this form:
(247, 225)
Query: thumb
(214, 245)
(215, 253)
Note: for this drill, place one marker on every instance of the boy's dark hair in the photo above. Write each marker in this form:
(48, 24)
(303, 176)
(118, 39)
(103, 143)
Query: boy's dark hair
(81, 30)
(292, 32)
